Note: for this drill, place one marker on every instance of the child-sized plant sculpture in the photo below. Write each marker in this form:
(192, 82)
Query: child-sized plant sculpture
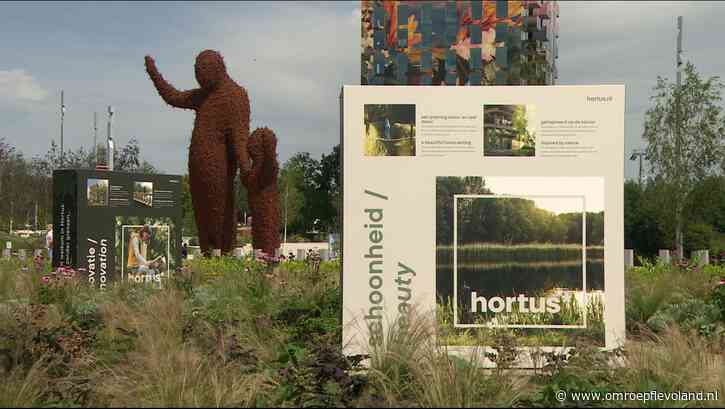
(218, 144)
(261, 184)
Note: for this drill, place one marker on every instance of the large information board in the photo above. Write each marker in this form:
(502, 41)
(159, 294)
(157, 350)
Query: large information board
(490, 208)
(117, 226)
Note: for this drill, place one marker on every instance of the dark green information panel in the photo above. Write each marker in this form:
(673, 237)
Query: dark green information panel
(116, 226)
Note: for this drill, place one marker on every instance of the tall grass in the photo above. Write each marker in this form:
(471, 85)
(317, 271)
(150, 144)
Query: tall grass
(18, 280)
(676, 361)
(571, 314)
(21, 388)
(236, 333)
(410, 368)
(163, 370)
(505, 253)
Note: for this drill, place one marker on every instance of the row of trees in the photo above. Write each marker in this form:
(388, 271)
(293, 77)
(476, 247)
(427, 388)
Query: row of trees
(309, 195)
(506, 220)
(681, 204)
(26, 183)
(310, 192)
(309, 187)
(649, 223)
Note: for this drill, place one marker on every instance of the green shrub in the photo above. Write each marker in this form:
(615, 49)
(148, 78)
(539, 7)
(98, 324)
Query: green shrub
(318, 376)
(717, 298)
(232, 332)
(690, 314)
(582, 369)
(30, 243)
(652, 287)
(698, 236)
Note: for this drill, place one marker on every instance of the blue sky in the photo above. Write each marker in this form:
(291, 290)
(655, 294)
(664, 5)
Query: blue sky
(291, 57)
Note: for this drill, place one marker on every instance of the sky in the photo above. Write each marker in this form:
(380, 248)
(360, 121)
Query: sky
(291, 57)
(539, 190)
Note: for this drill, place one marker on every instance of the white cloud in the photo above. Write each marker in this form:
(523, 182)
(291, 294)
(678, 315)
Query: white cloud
(292, 59)
(18, 86)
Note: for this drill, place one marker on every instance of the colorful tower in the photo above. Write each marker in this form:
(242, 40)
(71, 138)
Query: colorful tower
(488, 42)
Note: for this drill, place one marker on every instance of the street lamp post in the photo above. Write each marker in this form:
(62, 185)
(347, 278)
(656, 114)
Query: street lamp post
(110, 147)
(678, 134)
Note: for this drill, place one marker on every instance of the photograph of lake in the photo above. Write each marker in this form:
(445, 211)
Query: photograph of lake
(524, 253)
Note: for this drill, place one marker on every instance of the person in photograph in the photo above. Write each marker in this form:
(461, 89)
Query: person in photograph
(137, 254)
(49, 241)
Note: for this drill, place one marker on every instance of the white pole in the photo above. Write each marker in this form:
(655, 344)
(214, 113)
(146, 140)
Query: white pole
(95, 139)
(678, 135)
(109, 142)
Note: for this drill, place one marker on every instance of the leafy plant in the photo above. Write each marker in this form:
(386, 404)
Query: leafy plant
(690, 314)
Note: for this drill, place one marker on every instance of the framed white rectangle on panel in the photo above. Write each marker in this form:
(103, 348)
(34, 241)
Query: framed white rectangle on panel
(484, 209)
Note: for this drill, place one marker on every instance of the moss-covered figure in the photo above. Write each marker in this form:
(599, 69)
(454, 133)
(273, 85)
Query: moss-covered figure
(262, 194)
(218, 145)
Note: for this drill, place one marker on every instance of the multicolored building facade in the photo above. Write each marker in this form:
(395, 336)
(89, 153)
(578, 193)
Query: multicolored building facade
(485, 42)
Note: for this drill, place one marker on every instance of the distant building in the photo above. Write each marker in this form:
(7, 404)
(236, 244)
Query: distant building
(489, 42)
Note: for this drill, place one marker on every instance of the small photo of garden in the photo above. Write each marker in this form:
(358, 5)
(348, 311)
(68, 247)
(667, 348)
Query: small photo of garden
(389, 130)
(97, 192)
(508, 130)
(519, 245)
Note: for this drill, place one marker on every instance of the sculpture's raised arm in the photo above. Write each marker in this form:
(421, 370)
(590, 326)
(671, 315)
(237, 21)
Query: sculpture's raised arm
(179, 99)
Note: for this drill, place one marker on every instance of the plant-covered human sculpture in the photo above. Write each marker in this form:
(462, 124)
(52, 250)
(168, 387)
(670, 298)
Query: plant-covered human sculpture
(218, 145)
(262, 194)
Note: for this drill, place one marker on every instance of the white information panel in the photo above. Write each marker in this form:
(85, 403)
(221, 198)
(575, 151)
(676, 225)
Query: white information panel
(485, 209)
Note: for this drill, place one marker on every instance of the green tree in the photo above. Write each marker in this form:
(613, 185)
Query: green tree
(706, 203)
(685, 132)
(643, 218)
(521, 124)
(311, 190)
(446, 187)
(292, 196)
(328, 189)
(125, 159)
